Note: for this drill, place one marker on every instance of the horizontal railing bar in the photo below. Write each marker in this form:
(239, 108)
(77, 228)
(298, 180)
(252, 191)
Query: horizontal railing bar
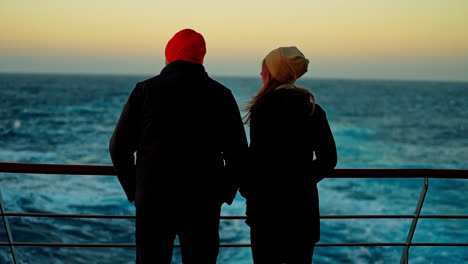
(114, 245)
(234, 217)
(107, 170)
(70, 216)
(37, 168)
(439, 244)
(393, 216)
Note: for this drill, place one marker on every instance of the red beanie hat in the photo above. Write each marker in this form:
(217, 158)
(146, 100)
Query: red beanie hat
(187, 45)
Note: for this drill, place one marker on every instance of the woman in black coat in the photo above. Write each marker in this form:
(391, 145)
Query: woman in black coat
(287, 129)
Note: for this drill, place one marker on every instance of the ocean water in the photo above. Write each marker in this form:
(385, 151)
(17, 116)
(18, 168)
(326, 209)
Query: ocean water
(68, 119)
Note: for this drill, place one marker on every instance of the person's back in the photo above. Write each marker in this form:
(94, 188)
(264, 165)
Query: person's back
(189, 139)
(284, 134)
(281, 128)
(186, 125)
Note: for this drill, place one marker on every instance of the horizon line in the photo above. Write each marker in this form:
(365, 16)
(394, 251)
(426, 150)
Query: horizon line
(236, 76)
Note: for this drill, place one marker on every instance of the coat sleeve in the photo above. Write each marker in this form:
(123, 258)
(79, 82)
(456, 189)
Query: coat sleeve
(123, 144)
(325, 151)
(234, 149)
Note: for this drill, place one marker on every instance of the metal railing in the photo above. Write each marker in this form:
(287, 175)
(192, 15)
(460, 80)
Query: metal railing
(101, 170)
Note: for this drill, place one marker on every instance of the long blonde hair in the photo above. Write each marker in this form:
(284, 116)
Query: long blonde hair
(270, 84)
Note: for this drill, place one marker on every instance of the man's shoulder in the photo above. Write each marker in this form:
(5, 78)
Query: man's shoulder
(159, 79)
(155, 80)
(217, 85)
(208, 85)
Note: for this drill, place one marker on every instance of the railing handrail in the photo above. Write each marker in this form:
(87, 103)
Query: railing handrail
(232, 245)
(229, 217)
(108, 170)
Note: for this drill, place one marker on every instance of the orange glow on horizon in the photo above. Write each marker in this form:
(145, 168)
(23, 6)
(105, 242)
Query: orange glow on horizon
(241, 30)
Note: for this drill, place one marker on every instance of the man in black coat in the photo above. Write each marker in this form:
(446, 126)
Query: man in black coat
(190, 143)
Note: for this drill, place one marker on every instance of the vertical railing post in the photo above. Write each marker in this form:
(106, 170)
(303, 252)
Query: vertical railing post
(417, 213)
(7, 229)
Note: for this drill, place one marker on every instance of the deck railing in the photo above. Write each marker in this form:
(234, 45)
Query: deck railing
(101, 170)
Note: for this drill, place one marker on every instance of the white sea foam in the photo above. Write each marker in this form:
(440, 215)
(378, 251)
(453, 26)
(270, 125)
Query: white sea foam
(16, 124)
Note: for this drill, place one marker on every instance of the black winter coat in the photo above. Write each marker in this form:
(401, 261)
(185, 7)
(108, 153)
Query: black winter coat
(285, 135)
(188, 137)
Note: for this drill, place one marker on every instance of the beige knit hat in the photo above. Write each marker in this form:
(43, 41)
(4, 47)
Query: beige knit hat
(286, 64)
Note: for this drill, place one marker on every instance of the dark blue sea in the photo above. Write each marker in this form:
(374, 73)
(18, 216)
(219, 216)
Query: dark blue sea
(68, 119)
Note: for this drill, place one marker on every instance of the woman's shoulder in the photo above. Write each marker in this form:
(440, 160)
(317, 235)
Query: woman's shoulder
(282, 99)
(290, 97)
(292, 100)
(318, 110)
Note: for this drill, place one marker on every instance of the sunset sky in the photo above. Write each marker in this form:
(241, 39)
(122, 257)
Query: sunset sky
(364, 39)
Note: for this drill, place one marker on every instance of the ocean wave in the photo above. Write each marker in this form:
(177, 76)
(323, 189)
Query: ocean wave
(376, 124)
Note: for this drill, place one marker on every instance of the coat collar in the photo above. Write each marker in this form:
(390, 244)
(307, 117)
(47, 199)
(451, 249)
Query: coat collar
(184, 66)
